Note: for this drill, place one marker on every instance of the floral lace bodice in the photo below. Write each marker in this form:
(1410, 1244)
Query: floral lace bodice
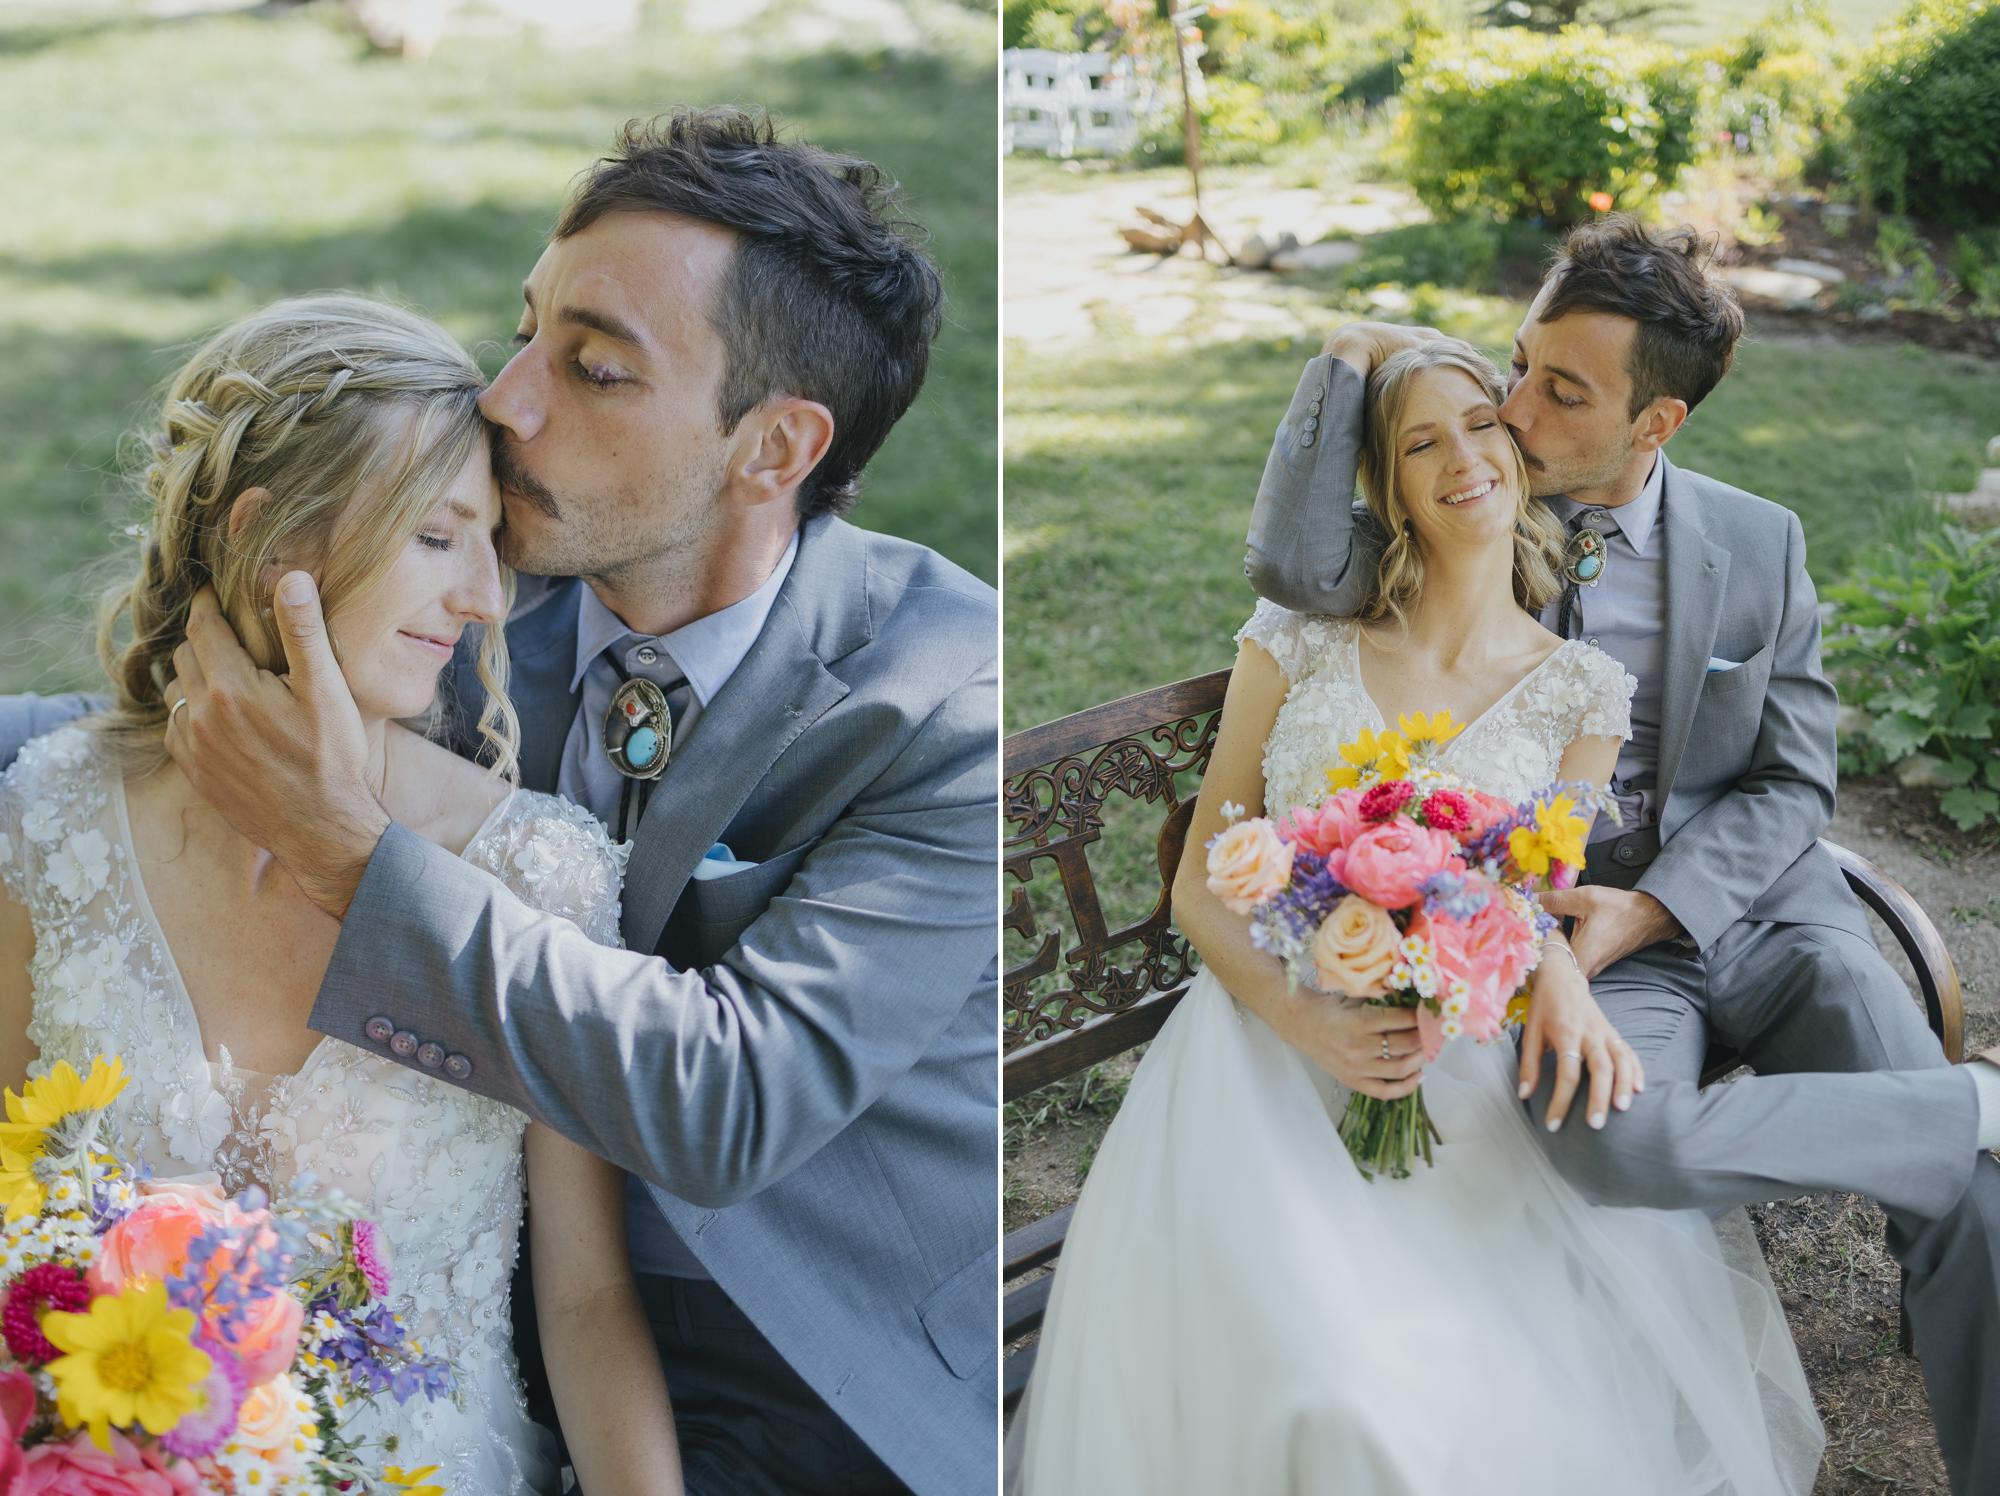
(439, 1168)
(1512, 749)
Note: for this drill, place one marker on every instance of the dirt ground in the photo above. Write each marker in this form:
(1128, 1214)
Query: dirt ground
(1838, 1284)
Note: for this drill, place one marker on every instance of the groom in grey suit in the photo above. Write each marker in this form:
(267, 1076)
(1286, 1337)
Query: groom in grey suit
(793, 1056)
(1710, 911)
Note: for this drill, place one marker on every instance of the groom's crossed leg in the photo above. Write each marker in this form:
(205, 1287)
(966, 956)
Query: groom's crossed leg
(1852, 1093)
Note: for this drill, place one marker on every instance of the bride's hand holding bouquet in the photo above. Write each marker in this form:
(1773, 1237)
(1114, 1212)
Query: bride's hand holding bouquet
(1413, 894)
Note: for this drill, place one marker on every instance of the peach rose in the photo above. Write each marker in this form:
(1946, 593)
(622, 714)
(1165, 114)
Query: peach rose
(151, 1243)
(1387, 864)
(202, 1192)
(269, 1423)
(266, 1335)
(1354, 949)
(1247, 864)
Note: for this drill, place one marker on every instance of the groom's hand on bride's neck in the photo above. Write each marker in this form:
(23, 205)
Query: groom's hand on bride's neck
(283, 759)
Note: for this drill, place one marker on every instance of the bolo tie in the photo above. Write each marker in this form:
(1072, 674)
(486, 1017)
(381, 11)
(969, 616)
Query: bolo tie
(638, 739)
(1583, 566)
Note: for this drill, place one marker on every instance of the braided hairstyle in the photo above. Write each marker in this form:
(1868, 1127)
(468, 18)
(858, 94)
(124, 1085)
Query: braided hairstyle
(354, 415)
(1399, 577)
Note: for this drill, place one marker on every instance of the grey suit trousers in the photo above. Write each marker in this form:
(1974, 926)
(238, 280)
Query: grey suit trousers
(1852, 1093)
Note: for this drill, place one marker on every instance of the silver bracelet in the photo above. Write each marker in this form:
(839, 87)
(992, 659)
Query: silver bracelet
(1558, 945)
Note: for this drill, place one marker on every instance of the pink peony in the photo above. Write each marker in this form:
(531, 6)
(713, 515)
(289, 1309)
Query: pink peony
(78, 1467)
(1327, 828)
(1387, 864)
(1247, 864)
(17, 1411)
(1499, 948)
(1487, 811)
(1446, 936)
(1386, 798)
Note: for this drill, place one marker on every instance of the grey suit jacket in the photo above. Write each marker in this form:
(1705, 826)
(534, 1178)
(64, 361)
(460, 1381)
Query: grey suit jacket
(1747, 764)
(798, 1058)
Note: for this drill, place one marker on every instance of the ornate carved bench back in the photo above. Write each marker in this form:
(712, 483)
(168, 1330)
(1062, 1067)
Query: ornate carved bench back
(1065, 1008)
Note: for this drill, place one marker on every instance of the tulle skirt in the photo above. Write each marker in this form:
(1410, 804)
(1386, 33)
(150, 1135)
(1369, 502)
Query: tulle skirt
(1238, 1312)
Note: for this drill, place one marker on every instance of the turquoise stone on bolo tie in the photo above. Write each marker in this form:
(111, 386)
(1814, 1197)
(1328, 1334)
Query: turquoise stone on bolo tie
(1583, 557)
(638, 730)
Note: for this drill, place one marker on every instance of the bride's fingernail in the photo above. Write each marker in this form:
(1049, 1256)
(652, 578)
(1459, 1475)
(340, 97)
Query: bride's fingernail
(1527, 1090)
(1555, 1124)
(1623, 1103)
(1597, 1119)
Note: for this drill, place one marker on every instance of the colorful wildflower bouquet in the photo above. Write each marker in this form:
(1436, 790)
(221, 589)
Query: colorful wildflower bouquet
(162, 1339)
(1408, 889)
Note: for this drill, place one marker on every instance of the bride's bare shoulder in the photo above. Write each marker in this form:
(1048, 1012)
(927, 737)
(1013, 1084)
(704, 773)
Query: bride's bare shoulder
(437, 794)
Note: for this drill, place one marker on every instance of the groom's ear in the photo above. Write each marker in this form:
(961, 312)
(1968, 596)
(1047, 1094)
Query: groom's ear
(792, 435)
(1659, 421)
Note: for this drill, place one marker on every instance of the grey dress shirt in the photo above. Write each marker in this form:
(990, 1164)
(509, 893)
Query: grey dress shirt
(705, 653)
(1625, 615)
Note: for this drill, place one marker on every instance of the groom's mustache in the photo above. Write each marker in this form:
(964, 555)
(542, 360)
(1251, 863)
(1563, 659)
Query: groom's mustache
(514, 479)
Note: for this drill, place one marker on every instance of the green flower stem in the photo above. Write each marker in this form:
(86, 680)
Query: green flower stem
(1386, 1137)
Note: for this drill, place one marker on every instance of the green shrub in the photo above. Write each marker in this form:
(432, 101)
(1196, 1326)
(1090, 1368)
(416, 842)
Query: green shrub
(1915, 651)
(1522, 125)
(1776, 93)
(1975, 262)
(1925, 112)
(1235, 125)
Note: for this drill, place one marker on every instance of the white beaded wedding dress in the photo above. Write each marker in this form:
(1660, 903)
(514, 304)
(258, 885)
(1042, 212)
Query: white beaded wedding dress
(438, 1168)
(1238, 1312)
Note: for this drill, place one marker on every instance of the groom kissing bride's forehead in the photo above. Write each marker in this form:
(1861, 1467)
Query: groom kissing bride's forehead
(1709, 908)
(787, 728)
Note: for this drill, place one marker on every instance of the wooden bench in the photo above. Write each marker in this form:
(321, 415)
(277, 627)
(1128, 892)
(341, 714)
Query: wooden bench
(1066, 1008)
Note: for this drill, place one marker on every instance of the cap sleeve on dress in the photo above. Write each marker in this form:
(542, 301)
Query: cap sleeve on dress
(1280, 633)
(556, 857)
(1608, 688)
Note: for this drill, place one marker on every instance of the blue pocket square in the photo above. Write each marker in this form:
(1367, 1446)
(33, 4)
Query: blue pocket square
(719, 862)
(1717, 664)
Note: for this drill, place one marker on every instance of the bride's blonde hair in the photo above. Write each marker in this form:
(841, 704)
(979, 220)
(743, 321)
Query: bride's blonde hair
(1399, 577)
(354, 415)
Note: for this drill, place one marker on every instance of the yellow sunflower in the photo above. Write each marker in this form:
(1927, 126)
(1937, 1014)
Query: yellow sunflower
(127, 1359)
(1372, 756)
(33, 1115)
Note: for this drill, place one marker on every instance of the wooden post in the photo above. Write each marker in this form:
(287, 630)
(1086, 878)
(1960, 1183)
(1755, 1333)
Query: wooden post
(1190, 123)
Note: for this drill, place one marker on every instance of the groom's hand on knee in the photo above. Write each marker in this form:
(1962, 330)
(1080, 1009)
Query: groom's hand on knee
(1611, 923)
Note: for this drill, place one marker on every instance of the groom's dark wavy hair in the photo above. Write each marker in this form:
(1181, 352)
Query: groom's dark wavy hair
(829, 296)
(1688, 320)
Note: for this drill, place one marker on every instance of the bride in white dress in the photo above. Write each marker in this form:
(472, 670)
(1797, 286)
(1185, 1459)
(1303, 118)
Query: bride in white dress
(1237, 1310)
(341, 436)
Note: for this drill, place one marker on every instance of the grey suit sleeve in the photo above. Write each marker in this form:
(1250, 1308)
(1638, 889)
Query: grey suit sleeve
(1312, 547)
(23, 718)
(1716, 865)
(711, 1083)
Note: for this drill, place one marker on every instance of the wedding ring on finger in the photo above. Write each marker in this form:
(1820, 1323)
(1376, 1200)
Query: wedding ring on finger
(1385, 1047)
(174, 710)
(1573, 1054)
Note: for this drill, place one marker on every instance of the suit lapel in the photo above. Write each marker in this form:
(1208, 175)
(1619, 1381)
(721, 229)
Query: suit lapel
(1697, 572)
(782, 688)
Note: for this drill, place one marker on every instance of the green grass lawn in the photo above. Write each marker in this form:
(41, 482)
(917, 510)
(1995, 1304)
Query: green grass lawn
(1131, 471)
(158, 178)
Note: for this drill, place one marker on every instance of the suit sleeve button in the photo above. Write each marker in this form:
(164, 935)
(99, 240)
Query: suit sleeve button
(379, 1029)
(403, 1043)
(458, 1067)
(430, 1054)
